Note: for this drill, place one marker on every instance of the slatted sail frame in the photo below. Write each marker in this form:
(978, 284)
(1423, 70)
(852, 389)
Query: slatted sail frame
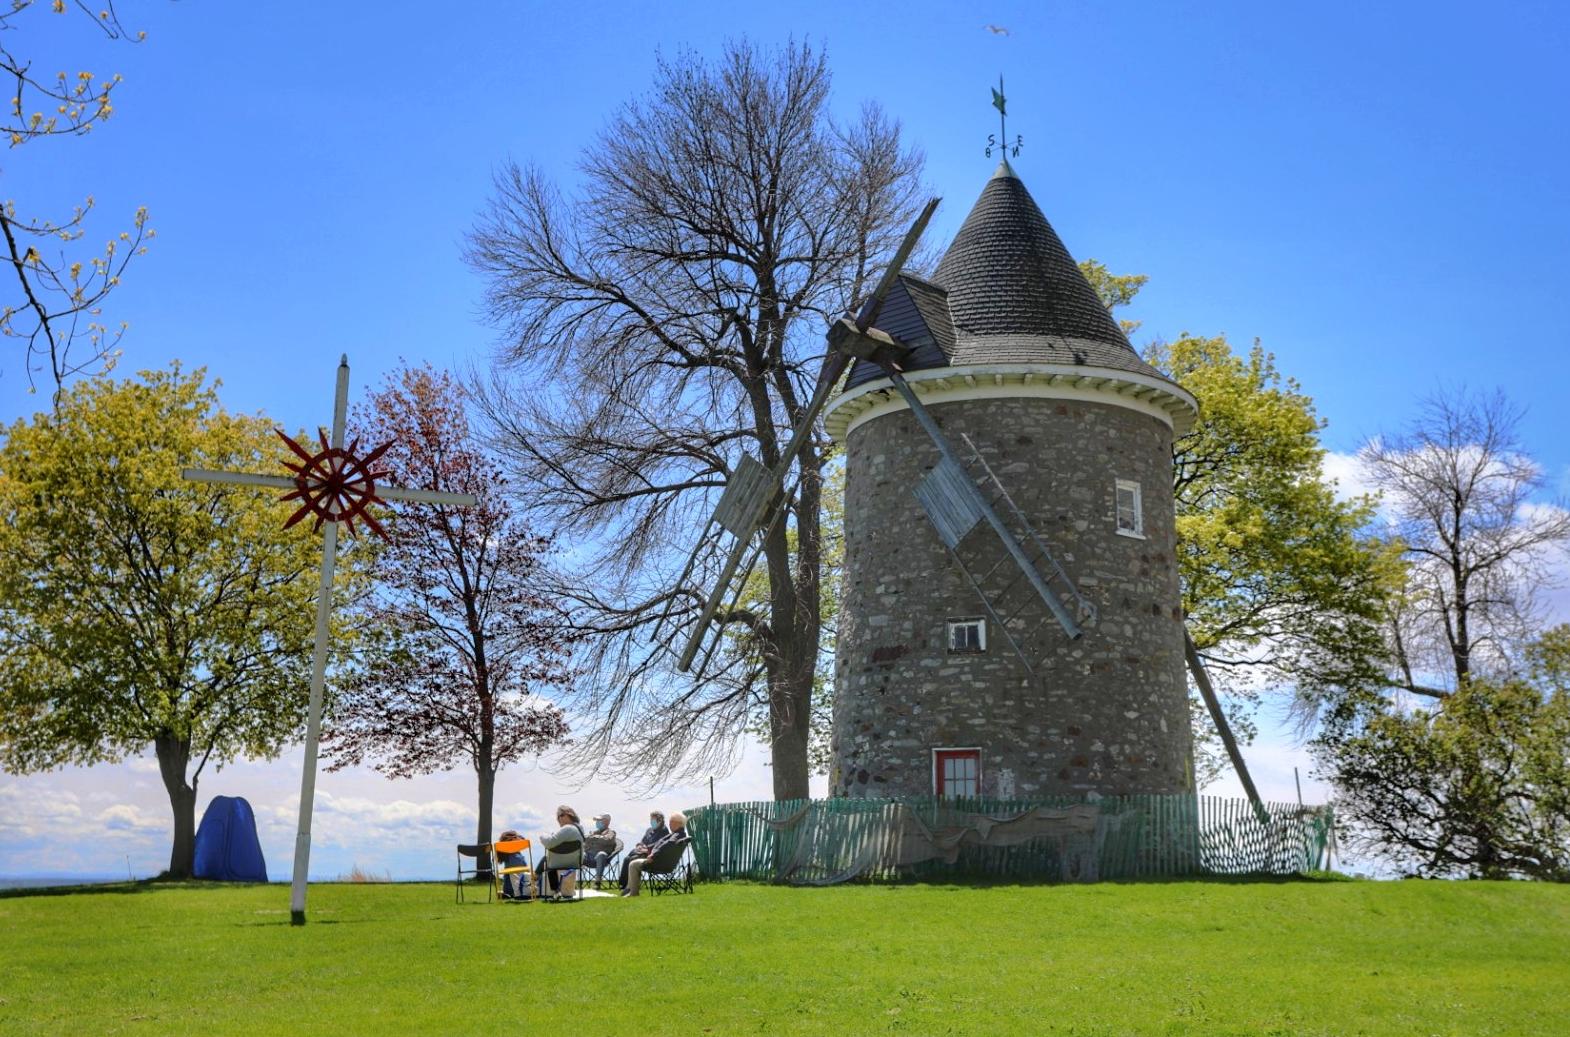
(949, 503)
(759, 501)
(746, 505)
(746, 496)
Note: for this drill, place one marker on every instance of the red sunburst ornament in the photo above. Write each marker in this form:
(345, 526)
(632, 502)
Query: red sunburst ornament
(334, 485)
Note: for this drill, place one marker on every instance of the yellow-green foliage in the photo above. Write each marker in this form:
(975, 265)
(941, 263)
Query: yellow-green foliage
(1274, 567)
(135, 605)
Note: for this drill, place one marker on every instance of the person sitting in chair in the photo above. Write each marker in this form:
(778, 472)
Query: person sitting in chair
(561, 851)
(655, 833)
(512, 885)
(632, 870)
(599, 846)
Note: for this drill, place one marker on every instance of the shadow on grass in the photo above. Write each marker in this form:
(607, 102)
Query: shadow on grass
(284, 923)
(1314, 878)
(139, 886)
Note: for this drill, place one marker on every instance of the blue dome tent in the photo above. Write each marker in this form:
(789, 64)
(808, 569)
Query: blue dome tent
(226, 845)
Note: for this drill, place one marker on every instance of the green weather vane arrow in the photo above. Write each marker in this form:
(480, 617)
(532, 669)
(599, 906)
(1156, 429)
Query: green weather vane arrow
(1001, 141)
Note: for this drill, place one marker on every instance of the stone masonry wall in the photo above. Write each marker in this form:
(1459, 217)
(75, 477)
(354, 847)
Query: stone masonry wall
(1108, 713)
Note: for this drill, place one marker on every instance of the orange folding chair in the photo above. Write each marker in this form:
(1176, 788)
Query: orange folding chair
(506, 848)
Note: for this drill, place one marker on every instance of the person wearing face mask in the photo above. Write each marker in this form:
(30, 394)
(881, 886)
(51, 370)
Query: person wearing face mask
(599, 846)
(632, 871)
(657, 831)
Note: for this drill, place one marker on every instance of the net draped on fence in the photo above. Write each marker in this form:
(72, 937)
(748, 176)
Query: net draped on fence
(821, 842)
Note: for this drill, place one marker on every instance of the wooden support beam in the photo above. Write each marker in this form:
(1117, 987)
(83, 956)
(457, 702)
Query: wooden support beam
(1196, 667)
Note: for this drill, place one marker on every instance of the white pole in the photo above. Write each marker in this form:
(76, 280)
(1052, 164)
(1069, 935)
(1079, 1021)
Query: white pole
(313, 727)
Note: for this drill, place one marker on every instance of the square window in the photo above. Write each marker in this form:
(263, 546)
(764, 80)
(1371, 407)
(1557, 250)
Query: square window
(1130, 512)
(956, 773)
(967, 635)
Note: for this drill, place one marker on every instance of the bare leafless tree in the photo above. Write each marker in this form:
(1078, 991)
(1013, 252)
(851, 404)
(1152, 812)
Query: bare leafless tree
(663, 319)
(1463, 496)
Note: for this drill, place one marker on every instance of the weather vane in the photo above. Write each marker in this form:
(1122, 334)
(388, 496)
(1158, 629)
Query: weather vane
(1000, 140)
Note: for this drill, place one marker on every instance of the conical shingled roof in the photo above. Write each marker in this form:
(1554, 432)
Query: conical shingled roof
(1017, 296)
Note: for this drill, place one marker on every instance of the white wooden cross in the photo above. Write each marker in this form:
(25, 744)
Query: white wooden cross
(337, 487)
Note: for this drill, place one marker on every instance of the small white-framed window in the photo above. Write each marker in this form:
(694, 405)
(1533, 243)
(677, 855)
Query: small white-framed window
(967, 635)
(1130, 509)
(956, 773)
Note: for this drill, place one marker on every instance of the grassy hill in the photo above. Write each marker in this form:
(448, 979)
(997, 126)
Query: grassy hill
(1271, 958)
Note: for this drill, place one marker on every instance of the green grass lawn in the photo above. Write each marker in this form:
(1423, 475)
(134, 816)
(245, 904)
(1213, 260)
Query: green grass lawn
(1197, 958)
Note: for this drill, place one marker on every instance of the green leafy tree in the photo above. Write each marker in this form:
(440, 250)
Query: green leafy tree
(1281, 580)
(1284, 586)
(1116, 290)
(1477, 786)
(140, 609)
(1549, 659)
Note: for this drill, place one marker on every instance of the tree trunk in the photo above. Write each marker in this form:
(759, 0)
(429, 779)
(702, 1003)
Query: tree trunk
(791, 667)
(788, 734)
(487, 776)
(173, 756)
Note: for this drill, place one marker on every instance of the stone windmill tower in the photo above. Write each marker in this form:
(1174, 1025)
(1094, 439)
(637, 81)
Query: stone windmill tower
(1037, 648)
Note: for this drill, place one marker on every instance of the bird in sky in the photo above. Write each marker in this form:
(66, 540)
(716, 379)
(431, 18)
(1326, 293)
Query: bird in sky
(996, 30)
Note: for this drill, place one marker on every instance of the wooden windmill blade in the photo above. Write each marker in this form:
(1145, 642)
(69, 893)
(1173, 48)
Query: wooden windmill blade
(869, 314)
(758, 504)
(955, 505)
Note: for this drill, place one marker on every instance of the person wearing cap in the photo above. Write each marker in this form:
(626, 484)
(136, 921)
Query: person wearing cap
(599, 846)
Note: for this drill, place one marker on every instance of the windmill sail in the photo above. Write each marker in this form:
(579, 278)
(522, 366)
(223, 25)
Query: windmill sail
(723, 558)
(1012, 571)
(954, 500)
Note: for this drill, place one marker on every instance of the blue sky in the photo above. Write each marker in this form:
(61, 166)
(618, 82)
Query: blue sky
(1378, 192)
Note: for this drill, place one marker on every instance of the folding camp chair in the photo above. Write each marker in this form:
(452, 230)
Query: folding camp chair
(668, 870)
(612, 865)
(499, 872)
(566, 874)
(481, 854)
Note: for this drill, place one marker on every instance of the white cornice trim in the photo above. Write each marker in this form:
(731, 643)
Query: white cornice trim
(1130, 390)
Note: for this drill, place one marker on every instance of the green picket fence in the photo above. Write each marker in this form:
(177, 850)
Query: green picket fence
(1119, 837)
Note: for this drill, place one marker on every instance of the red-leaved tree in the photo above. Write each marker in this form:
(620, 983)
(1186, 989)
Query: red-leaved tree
(461, 646)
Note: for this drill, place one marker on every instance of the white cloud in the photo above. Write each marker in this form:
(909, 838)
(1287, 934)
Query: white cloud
(526, 817)
(1350, 477)
(24, 814)
(407, 828)
(128, 817)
